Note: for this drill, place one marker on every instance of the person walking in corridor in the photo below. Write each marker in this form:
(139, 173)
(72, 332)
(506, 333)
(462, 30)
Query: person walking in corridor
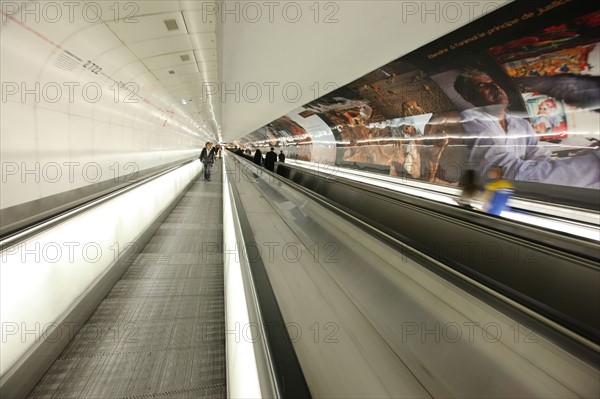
(207, 157)
(270, 160)
(258, 159)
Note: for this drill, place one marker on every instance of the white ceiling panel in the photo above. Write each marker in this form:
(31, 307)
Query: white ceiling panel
(104, 40)
(146, 78)
(210, 75)
(187, 93)
(185, 69)
(208, 66)
(190, 90)
(201, 108)
(184, 92)
(204, 40)
(149, 27)
(135, 71)
(199, 21)
(167, 60)
(198, 99)
(206, 55)
(165, 45)
(186, 79)
(127, 11)
(55, 21)
(200, 112)
(115, 59)
(208, 6)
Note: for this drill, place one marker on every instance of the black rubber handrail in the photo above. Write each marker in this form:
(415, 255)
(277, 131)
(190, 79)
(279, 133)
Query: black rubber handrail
(581, 332)
(287, 370)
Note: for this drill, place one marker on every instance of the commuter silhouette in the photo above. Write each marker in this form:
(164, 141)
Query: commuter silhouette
(258, 157)
(270, 160)
(281, 156)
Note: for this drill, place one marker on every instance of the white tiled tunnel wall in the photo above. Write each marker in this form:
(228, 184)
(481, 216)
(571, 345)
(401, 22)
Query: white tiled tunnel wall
(64, 126)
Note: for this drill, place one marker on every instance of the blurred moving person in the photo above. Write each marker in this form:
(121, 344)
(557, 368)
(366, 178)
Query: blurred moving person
(470, 188)
(258, 157)
(281, 156)
(496, 192)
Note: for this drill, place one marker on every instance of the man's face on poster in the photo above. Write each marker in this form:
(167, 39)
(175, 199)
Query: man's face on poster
(484, 91)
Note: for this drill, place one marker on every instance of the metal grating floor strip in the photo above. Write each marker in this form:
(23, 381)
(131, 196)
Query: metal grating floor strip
(160, 331)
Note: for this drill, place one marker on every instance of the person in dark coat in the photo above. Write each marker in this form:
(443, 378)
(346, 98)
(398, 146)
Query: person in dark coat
(270, 160)
(207, 157)
(281, 156)
(258, 157)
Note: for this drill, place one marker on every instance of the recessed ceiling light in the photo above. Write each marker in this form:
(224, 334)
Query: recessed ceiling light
(171, 72)
(185, 58)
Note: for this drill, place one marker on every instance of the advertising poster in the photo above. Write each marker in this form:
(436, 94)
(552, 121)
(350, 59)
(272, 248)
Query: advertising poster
(525, 86)
(518, 88)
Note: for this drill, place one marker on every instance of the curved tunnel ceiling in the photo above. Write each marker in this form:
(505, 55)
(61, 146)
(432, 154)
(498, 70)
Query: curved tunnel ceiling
(227, 68)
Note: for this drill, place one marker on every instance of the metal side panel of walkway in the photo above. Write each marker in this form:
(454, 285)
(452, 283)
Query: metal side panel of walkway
(159, 332)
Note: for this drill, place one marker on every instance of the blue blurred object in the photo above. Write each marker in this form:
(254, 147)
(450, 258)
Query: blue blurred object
(498, 201)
